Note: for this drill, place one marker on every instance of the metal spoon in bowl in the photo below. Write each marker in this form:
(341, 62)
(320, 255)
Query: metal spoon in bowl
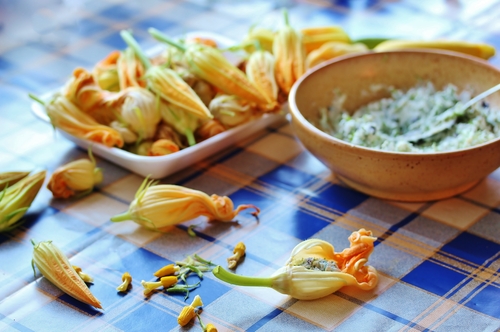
(414, 135)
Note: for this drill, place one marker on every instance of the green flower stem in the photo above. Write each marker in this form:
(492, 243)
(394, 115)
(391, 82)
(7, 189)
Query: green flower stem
(239, 280)
(285, 16)
(195, 270)
(161, 37)
(132, 43)
(190, 137)
(121, 217)
(202, 260)
(35, 98)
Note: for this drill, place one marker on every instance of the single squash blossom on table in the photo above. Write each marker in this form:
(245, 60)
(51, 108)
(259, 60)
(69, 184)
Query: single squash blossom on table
(55, 266)
(159, 207)
(16, 199)
(315, 270)
(77, 177)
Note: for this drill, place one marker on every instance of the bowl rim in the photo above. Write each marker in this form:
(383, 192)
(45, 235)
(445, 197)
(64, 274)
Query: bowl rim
(297, 114)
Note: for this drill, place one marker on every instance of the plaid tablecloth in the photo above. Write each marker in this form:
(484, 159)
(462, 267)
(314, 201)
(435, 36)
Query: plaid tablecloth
(438, 262)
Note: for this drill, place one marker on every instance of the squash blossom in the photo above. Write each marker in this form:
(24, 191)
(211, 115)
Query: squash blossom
(159, 207)
(209, 129)
(16, 199)
(315, 270)
(9, 178)
(55, 266)
(79, 176)
(105, 72)
(183, 122)
(139, 110)
(231, 111)
(163, 147)
(67, 117)
(89, 98)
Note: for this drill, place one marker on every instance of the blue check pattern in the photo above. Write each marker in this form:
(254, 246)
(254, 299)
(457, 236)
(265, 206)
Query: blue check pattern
(439, 268)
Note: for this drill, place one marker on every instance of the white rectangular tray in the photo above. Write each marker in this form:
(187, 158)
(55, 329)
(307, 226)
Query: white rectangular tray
(161, 166)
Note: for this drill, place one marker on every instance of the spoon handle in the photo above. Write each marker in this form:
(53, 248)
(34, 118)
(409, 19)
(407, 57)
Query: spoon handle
(480, 96)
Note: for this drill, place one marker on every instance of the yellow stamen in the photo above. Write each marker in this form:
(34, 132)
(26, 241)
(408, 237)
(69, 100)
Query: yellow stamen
(189, 311)
(85, 277)
(127, 280)
(166, 282)
(167, 270)
(238, 252)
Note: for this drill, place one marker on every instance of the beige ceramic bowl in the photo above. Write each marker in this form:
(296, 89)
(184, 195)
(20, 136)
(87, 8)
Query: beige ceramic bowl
(393, 175)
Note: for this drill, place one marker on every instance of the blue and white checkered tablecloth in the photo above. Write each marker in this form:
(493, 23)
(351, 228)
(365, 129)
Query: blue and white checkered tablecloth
(438, 262)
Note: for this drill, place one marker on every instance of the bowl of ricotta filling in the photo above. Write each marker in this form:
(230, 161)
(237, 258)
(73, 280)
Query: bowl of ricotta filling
(413, 125)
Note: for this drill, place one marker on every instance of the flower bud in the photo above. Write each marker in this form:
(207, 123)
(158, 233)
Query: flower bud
(55, 266)
(16, 199)
(77, 176)
(231, 111)
(162, 147)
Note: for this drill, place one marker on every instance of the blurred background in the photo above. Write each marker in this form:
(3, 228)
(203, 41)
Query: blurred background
(42, 41)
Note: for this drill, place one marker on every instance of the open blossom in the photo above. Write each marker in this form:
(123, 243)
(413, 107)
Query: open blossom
(315, 270)
(159, 207)
(88, 96)
(105, 72)
(78, 176)
(130, 70)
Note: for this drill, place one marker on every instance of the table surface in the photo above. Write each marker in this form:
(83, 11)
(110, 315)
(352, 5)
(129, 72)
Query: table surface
(438, 262)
